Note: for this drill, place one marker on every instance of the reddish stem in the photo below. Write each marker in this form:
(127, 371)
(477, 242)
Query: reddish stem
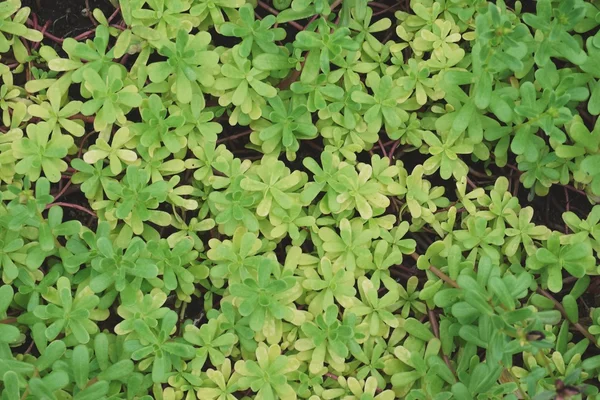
(75, 206)
(85, 138)
(64, 189)
(43, 30)
(567, 207)
(382, 147)
(273, 11)
(562, 310)
(378, 5)
(436, 331)
(84, 118)
(84, 35)
(89, 13)
(313, 19)
(383, 11)
(393, 150)
(114, 14)
(470, 182)
(233, 137)
(124, 59)
(53, 38)
(332, 376)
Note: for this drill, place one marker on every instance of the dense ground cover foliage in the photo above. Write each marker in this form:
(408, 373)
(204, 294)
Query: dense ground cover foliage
(314, 199)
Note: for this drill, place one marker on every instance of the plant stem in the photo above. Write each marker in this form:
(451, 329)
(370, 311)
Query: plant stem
(84, 35)
(52, 37)
(233, 137)
(36, 373)
(470, 182)
(393, 149)
(335, 4)
(443, 277)
(436, 331)
(562, 310)
(89, 13)
(62, 191)
(332, 376)
(387, 9)
(84, 118)
(75, 206)
(46, 34)
(43, 30)
(275, 12)
(114, 14)
(382, 147)
(438, 273)
(378, 5)
(92, 381)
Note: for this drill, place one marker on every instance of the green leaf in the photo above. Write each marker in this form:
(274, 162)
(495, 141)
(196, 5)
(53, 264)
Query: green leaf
(594, 102)
(483, 90)
(81, 365)
(417, 329)
(591, 363)
(463, 117)
(117, 370)
(272, 62)
(571, 308)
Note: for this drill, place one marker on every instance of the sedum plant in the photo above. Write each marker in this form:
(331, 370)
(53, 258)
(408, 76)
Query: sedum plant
(300, 199)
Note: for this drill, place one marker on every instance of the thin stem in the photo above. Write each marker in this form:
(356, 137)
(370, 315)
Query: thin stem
(92, 381)
(383, 11)
(275, 12)
(75, 206)
(46, 34)
(84, 35)
(335, 4)
(436, 331)
(43, 30)
(313, 19)
(89, 13)
(63, 190)
(84, 118)
(393, 149)
(567, 207)
(443, 277)
(233, 137)
(562, 310)
(52, 37)
(36, 373)
(382, 147)
(480, 174)
(574, 189)
(470, 182)
(438, 273)
(332, 376)
(378, 5)
(114, 14)
(85, 138)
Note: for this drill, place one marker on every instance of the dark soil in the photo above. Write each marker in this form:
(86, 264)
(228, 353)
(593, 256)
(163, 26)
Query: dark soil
(67, 18)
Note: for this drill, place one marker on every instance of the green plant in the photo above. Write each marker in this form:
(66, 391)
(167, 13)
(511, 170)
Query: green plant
(379, 218)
